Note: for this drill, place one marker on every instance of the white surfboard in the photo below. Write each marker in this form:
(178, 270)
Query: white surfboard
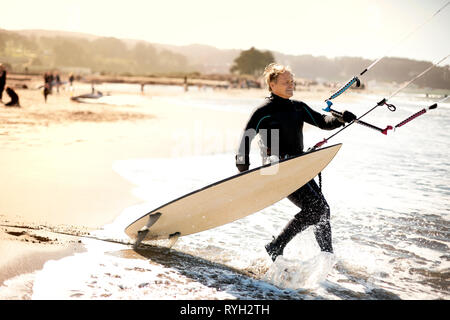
(231, 199)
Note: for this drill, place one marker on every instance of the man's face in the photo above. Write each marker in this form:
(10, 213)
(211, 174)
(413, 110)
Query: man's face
(284, 85)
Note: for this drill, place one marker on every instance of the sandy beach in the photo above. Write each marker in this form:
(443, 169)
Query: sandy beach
(57, 159)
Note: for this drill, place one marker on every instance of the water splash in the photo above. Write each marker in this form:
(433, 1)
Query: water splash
(296, 274)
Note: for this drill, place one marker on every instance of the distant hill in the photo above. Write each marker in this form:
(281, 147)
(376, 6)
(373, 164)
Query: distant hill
(204, 58)
(201, 58)
(39, 50)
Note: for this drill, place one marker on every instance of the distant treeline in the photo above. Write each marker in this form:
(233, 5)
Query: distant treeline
(44, 50)
(102, 55)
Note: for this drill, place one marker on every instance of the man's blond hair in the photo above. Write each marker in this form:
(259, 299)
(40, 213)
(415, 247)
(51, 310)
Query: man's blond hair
(272, 71)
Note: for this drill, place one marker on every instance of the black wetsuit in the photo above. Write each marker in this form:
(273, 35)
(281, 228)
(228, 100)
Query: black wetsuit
(285, 118)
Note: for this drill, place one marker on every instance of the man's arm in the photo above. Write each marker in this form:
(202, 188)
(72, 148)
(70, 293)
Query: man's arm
(250, 131)
(323, 121)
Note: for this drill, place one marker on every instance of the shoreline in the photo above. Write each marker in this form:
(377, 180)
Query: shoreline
(59, 160)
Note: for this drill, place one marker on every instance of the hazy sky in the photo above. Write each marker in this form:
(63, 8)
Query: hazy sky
(365, 28)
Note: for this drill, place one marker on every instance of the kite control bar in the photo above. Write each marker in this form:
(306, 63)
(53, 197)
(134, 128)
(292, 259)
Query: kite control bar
(363, 123)
(383, 131)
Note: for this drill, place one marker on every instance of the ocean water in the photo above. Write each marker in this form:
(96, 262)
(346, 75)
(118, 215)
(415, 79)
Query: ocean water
(390, 209)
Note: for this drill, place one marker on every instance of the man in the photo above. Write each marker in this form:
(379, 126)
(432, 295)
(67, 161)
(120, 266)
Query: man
(284, 118)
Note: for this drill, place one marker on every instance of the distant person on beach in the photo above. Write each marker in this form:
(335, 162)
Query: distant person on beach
(47, 85)
(186, 85)
(2, 80)
(49, 80)
(284, 118)
(46, 91)
(71, 78)
(57, 82)
(14, 98)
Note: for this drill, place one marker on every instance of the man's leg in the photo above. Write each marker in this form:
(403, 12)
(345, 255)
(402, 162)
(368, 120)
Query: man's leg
(315, 211)
(276, 247)
(322, 229)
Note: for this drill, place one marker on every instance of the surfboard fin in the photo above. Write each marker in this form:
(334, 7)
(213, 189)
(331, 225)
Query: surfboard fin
(144, 231)
(173, 239)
